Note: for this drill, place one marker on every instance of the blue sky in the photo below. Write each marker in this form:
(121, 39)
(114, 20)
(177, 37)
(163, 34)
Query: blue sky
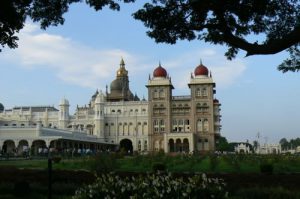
(75, 59)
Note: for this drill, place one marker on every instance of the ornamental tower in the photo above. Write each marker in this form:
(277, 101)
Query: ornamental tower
(159, 107)
(99, 115)
(202, 100)
(63, 113)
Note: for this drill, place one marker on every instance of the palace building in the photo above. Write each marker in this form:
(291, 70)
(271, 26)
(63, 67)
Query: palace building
(117, 118)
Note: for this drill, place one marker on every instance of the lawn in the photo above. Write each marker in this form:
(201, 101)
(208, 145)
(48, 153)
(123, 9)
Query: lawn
(179, 163)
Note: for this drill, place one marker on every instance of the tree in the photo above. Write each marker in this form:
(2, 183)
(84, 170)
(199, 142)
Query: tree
(222, 144)
(284, 143)
(13, 14)
(229, 22)
(274, 23)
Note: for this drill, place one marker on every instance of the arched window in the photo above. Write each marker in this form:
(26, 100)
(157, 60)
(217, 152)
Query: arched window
(199, 125)
(139, 146)
(204, 92)
(206, 125)
(198, 92)
(155, 94)
(161, 93)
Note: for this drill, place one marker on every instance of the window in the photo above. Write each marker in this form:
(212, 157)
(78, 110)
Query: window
(204, 92)
(155, 94)
(199, 125)
(198, 92)
(161, 93)
(206, 125)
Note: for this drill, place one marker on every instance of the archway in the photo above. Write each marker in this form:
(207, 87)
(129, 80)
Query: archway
(172, 145)
(39, 147)
(23, 147)
(9, 146)
(178, 146)
(126, 145)
(185, 145)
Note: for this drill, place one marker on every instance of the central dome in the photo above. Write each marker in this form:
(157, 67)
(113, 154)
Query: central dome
(201, 70)
(160, 72)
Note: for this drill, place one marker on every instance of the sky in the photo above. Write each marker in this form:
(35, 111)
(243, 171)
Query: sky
(73, 60)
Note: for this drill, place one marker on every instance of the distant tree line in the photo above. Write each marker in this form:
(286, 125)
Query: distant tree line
(224, 145)
(291, 144)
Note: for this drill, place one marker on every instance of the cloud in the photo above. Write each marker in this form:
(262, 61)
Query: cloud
(72, 62)
(224, 72)
(78, 64)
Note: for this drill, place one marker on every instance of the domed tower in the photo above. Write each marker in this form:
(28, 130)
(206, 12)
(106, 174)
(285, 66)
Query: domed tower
(119, 88)
(202, 98)
(159, 106)
(99, 115)
(63, 113)
(1, 108)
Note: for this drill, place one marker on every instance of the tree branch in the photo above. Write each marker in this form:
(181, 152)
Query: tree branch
(270, 47)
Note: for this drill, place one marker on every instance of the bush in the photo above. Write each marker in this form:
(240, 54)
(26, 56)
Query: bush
(21, 188)
(103, 163)
(56, 159)
(158, 166)
(266, 168)
(153, 186)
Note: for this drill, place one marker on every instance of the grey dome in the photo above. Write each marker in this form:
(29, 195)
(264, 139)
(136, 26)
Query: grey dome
(116, 85)
(1, 107)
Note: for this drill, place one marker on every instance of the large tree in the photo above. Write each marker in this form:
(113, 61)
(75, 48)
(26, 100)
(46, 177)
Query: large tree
(258, 27)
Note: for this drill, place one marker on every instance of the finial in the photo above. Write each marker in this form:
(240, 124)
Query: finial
(210, 74)
(200, 61)
(192, 75)
(159, 64)
(149, 77)
(106, 89)
(122, 63)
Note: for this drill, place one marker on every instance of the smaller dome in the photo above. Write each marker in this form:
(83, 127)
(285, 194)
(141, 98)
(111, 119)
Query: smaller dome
(216, 101)
(116, 85)
(64, 101)
(1, 107)
(201, 70)
(160, 72)
(99, 98)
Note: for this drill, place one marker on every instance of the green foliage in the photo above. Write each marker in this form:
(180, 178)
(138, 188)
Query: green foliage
(222, 144)
(266, 193)
(153, 186)
(22, 188)
(267, 168)
(158, 166)
(56, 159)
(103, 163)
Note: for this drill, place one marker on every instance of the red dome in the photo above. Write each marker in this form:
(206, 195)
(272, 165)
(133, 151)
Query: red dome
(216, 101)
(201, 70)
(160, 72)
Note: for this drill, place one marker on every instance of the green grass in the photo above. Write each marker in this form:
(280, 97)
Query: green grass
(179, 163)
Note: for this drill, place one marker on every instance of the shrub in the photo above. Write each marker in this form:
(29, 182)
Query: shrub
(153, 186)
(56, 159)
(266, 168)
(158, 166)
(21, 188)
(103, 163)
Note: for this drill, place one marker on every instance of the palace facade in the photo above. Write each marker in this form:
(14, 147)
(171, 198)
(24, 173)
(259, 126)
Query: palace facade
(117, 118)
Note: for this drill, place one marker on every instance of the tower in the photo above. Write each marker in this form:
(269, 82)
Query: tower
(202, 100)
(63, 113)
(119, 88)
(99, 115)
(159, 108)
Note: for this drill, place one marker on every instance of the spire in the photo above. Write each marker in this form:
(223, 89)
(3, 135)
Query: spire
(106, 89)
(200, 61)
(159, 64)
(122, 63)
